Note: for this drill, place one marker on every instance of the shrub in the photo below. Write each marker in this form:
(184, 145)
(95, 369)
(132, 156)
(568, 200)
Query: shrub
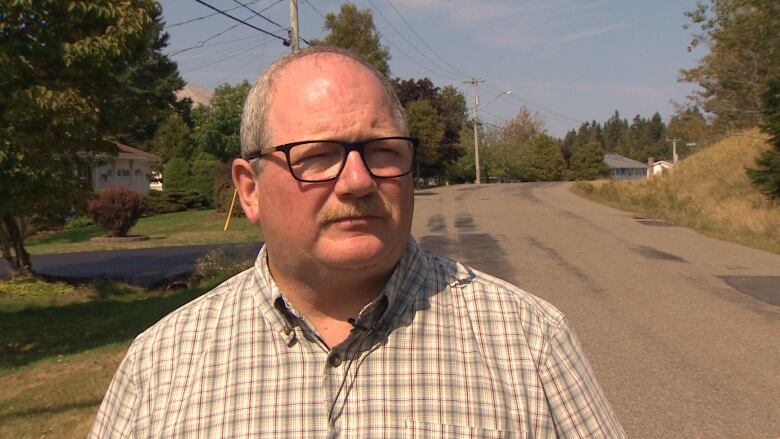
(202, 172)
(158, 203)
(116, 210)
(216, 264)
(223, 190)
(176, 176)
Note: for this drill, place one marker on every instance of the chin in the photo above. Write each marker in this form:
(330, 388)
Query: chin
(360, 252)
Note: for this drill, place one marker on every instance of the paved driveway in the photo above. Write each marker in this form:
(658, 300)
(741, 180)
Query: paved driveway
(145, 267)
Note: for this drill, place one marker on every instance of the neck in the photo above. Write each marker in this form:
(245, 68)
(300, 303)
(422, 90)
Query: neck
(327, 297)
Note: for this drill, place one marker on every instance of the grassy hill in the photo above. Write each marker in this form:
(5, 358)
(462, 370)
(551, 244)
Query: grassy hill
(708, 191)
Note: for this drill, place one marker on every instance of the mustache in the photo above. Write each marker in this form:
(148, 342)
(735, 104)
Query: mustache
(356, 208)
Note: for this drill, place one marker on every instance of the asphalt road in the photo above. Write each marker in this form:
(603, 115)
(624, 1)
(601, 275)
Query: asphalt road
(681, 329)
(145, 267)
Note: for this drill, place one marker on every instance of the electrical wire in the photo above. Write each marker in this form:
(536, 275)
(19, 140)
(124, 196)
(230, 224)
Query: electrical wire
(192, 20)
(228, 56)
(315, 9)
(525, 102)
(202, 43)
(370, 2)
(284, 40)
(453, 68)
(259, 15)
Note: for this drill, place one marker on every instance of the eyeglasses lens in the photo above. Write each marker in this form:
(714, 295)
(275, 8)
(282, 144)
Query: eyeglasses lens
(320, 161)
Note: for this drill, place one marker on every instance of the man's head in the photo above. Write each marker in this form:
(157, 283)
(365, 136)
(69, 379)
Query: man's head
(355, 222)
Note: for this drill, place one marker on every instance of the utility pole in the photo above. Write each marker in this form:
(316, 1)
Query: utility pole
(475, 119)
(294, 25)
(674, 149)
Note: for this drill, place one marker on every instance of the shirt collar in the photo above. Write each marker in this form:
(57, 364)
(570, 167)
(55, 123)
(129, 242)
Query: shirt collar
(381, 314)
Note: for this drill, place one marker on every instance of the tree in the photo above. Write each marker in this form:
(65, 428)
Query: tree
(61, 62)
(587, 162)
(543, 159)
(217, 126)
(688, 125)
(424, 124)
(767, 175)
(172, 138)
(148, 88)
(450, 105)
(743, 43)
(354, 29)
(524, 126)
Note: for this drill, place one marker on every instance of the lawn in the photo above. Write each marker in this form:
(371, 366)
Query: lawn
(180, 228)
(60, 345)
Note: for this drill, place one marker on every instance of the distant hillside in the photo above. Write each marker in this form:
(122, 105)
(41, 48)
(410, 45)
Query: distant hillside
(709, 191)
(199, 95)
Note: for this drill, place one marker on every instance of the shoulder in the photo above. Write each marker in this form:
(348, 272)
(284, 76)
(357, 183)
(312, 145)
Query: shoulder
(195, 322)
(490, 297)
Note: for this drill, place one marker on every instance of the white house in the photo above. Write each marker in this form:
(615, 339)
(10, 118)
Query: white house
(131, 169)
(658, 168)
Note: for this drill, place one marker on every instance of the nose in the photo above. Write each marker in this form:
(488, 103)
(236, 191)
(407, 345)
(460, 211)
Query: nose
(355, 181)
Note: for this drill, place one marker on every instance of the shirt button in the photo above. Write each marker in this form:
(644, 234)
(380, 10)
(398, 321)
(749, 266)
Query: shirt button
(335, 360)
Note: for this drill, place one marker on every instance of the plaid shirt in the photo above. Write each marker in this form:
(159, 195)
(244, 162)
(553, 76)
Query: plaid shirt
(444, 351)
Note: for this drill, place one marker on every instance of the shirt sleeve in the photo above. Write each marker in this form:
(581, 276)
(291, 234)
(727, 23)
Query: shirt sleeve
(116, 415)
(577, 403)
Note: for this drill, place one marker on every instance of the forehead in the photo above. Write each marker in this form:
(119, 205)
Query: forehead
(328, 89)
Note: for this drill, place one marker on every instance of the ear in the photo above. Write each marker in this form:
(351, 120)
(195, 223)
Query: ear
(246, 185)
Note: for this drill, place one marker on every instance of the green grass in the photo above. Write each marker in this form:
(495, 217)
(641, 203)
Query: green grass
(60, 345)
(180, 228)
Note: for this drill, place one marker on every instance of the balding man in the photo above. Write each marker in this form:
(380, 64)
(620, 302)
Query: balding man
(344, 326)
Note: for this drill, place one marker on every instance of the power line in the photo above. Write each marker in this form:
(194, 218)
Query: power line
(453, 68)
(406, 39)
(203, 42)
(192, 20)
(228, 56)
(315, 9)
(284, 40)
(259, 14)
(525, 102)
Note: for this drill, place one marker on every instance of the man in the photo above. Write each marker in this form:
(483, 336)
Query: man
(344, 327)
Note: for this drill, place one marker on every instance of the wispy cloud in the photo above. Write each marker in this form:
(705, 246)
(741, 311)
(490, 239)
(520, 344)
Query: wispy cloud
(589, 33)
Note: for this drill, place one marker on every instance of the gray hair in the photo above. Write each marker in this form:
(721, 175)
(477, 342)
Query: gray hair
(255, 133)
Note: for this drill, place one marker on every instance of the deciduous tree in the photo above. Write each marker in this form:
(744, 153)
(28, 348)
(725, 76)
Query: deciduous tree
(743, 43)
(61, 62)
(424, 124)
(217, 126)
(354, 29)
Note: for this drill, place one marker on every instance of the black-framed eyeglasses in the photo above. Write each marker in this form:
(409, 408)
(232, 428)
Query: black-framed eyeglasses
(315, 161)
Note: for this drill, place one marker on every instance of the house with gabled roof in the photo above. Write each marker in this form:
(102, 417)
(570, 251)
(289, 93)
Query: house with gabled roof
(623, 168)
(131, 168)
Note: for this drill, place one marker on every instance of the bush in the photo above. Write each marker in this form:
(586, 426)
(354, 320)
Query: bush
(116, 210)
(223, 190)
(202, 172)
(176, 176)
(158, 203)
(216, 264)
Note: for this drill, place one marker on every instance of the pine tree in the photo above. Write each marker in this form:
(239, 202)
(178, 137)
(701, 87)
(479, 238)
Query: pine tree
(767, 175)
(587, 162)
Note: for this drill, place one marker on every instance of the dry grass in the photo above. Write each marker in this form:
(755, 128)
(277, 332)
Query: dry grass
(709, 192)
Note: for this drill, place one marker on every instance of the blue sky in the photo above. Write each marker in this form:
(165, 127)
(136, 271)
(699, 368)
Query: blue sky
(569, 60)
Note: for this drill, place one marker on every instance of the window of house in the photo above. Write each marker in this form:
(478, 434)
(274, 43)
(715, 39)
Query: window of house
(123, 172)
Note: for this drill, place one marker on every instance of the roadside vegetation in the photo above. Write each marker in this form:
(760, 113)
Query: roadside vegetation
(60, 344)
(708, 191)
(180, 228)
